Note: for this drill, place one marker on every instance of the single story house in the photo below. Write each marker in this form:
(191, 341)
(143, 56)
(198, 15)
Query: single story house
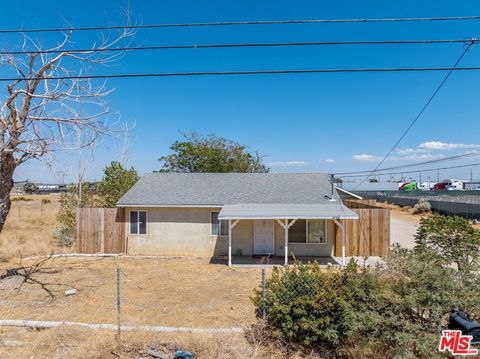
(239, 215)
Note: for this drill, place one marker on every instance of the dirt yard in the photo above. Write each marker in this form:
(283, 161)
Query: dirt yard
(162, 292)
(172, 292)
(403, 224)
(29, 227)
(78, 343)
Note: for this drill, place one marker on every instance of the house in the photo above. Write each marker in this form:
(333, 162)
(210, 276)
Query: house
(235, 215)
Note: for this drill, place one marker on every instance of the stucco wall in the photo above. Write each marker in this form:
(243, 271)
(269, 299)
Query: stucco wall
(186, 231)
(177, 231)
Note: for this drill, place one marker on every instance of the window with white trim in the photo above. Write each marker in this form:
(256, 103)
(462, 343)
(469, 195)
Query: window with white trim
(138, 222)
(308, 231)
(218, 227)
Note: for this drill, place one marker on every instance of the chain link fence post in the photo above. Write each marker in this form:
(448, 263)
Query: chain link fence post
(264, 307)
(118, 304)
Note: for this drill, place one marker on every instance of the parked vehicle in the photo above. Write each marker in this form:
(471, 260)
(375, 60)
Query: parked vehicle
(440, 186)
(426, 186)
(454, 186)
(408, 186)
(471, 186)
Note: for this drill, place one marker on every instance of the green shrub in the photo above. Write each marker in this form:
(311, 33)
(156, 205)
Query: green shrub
(398, 309)
(453, 240)
(71, 200)
(21, 199)
(308, 305)
(46, 201)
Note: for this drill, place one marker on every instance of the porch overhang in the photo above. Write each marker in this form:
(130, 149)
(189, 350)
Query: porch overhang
(327, 210)
(285, 214)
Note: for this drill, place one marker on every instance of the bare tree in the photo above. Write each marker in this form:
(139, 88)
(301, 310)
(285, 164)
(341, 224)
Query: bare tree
(42, 112)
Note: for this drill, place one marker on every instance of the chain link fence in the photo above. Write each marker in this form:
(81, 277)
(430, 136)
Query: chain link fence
(464, 204)
(128, 294)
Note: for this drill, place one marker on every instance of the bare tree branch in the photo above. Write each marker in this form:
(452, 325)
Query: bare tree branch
(41, 115)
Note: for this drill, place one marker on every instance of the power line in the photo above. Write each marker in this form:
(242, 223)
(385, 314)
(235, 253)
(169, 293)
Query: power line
(423, 163)
(261, 44)
(228, 73)
(430, 99)
(239, 23)
(422, 170)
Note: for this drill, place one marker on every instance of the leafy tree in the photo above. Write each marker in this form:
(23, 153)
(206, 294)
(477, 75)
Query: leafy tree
(451, 238)
(211, 154)
(30, 187)
(73, 199)
(116, 181)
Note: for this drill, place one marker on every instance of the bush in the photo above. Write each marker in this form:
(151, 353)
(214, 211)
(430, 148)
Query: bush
(21, 199)
(71, 200)
(397, 309)
(422, 206)
(30, 188)
(304, 307)
(65, 237)
(453, 240)
(46, 201)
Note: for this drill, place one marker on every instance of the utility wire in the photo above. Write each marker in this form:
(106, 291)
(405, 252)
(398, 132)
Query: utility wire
(450, 71)
(253, 72)
(238, 23)
(421, 170)
(423, 163)
(215, 46)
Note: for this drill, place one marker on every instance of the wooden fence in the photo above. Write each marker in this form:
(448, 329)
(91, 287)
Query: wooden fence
(367, 236)
(101, 230)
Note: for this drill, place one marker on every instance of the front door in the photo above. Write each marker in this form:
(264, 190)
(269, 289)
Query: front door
(263, 237)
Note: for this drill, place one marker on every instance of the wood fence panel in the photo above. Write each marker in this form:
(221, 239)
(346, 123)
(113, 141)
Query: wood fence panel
(369, 235)
(101, 230)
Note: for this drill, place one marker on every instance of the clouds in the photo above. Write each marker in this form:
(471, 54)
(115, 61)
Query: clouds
(288, 164)
(437, 145)
(423, 152)
(365, 157)
(329, 160)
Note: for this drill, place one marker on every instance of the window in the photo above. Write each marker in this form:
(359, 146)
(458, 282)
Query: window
(219, 227)
(138, 222)
(308, 231)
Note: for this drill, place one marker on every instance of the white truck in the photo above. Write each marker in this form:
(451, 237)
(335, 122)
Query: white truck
(454, 185)
(426, 186)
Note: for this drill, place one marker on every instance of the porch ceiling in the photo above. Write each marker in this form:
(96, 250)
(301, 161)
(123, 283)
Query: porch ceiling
(327, 210)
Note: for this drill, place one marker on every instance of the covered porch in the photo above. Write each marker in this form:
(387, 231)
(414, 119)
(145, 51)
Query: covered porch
(280, 260)
(276, 233)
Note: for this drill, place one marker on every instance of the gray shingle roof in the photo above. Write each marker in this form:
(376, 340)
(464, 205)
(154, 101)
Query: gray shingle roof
(330, 209)
(227, 188)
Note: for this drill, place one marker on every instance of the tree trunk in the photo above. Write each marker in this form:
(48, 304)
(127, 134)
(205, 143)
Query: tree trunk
(7, 166)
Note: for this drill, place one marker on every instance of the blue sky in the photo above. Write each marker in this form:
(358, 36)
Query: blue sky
(321, 122)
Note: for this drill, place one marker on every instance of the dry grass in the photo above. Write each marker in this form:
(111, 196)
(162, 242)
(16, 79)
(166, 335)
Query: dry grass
(73, 343)
(29, 228)
(167, 292)
(170, 292)
(154, 291)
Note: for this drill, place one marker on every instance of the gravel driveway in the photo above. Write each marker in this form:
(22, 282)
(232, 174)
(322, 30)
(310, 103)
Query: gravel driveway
(402, 231)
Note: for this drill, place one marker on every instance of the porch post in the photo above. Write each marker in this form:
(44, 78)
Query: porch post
(285, 228)
(229, 242)
(343, 242)
(342, 228)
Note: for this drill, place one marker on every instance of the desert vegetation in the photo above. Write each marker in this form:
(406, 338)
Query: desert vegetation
(393, 310)
(30, 227)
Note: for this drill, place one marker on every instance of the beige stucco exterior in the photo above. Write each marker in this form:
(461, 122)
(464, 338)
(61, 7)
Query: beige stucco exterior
(187, 231)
